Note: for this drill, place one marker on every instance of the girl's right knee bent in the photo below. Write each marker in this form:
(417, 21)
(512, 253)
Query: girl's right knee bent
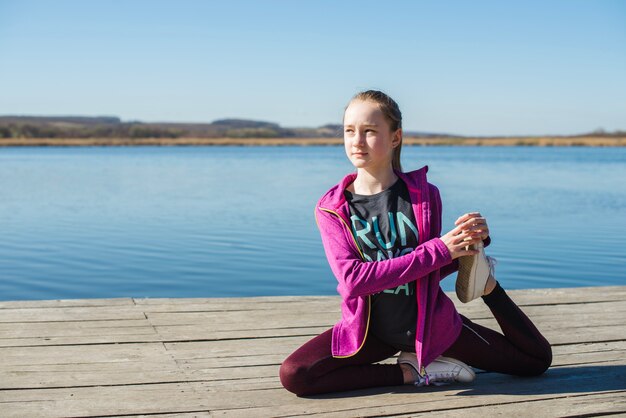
(546, 359)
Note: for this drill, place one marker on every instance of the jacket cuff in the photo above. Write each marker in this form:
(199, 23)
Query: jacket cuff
(443, 249)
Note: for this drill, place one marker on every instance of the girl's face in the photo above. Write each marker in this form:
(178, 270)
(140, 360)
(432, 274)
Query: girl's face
(367, 136)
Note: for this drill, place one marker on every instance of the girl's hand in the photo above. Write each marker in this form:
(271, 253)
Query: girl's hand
(474, 221)
(458, 240)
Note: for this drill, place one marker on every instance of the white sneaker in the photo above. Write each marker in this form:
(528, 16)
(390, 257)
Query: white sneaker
(441, 371)
(474, 271)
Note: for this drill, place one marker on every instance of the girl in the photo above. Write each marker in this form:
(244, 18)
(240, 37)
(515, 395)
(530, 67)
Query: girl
(380, 229)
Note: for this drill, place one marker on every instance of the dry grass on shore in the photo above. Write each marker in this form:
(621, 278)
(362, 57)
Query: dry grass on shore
(589, 141)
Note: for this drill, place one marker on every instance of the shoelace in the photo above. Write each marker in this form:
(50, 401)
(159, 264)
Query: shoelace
(436, 379)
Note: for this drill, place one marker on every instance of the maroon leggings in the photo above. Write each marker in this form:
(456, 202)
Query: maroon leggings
(522, 351)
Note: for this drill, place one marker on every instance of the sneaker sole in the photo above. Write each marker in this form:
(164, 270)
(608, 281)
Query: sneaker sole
(464, 283)
(403, 359)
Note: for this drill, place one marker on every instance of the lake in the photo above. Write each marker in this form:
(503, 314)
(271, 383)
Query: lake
(99, 222)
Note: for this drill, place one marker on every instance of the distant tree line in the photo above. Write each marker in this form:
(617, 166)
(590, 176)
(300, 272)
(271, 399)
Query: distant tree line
(604, 134)
(112, 127)
(32, 130)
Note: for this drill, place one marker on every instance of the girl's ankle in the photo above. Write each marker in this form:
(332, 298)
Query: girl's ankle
(490, 285)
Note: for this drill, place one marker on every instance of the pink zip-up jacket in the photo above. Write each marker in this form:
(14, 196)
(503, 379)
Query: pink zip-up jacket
(438, 322)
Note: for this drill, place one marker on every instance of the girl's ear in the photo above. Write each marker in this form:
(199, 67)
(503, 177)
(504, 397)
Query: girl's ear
(397, 138)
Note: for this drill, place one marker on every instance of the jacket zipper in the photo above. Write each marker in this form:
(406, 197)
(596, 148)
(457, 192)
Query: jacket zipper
(369, 297)
(420, 317)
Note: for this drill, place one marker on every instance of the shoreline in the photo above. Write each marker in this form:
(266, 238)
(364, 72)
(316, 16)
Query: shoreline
(543, 141)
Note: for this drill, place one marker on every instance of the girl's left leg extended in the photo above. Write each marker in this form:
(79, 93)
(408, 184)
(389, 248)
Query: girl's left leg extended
(522, 350)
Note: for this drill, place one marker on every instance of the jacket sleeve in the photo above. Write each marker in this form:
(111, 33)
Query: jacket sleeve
(357, 277)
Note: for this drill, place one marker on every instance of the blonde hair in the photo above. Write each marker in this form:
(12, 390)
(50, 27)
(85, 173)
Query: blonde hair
(392, 113)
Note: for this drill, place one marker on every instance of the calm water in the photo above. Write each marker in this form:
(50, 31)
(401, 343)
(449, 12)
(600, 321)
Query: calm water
(237, 221)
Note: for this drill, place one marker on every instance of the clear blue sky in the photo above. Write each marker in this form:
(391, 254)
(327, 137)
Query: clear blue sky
(466, 67)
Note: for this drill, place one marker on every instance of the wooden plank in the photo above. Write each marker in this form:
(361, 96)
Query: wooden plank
(244, 319)
(229, 301)
(583, 348)
(52, 329)
(88, 313)
(197, 414)
(80, 353)
(207, 360)
(75, 332)
(170, 334)
(82, 340)
(91, 374)
(577, 320)
(65, 303)
(149, 336)
(258, 346)
(104, 400)
(573, 333)
(75, 329)
(569, 296)
(328, 304)
(572, 295)
(479, 309)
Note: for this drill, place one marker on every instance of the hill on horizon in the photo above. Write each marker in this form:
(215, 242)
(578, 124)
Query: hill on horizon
(15, 126)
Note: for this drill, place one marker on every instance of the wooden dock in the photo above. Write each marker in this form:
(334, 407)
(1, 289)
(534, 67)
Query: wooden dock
(220, 357)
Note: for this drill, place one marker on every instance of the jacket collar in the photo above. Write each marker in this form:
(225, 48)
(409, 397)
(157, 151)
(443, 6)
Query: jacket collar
(334, 198)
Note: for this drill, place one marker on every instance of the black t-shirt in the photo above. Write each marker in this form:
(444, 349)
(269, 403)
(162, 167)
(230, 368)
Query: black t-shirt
(385, 227)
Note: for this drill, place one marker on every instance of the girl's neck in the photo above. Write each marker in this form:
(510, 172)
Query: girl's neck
(370, 182)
